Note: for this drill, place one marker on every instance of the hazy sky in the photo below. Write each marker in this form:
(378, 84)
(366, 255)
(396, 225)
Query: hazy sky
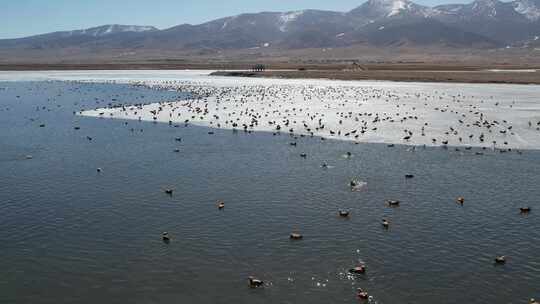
(20, 18)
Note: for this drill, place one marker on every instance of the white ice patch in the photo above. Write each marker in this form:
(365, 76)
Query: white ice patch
(386, 111)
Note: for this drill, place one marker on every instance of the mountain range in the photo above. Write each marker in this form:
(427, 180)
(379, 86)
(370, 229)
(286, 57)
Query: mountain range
(483, 24)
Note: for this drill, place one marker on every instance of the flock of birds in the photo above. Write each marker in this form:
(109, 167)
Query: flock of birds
(346, 112)
(361, 268)
(351, 113)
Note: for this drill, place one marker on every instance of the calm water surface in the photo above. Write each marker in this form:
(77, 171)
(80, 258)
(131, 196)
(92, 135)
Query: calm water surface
(72, 235)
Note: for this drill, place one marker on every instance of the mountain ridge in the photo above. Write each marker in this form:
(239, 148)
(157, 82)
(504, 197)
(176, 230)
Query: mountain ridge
(381, 23)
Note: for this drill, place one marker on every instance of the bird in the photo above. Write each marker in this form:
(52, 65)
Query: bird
(500, 259)
(296, 236)
(385, 223)
(165, 237)
(362, 294)
(344, 213)
(360, 269)
(525, 209)
(221, 204)
(460, 200)
(393, 203)
(254, 283)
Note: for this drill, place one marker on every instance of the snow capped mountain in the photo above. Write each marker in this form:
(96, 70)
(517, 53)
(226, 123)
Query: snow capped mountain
(481, 23)
(376, 9)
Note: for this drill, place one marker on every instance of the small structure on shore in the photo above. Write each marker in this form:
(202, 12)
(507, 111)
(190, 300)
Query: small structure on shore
(258, 68)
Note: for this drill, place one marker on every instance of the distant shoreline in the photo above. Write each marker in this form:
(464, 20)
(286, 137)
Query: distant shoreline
(486, 77)
(403, 72)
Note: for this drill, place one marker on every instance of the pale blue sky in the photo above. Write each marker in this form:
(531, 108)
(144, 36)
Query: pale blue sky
(20, 18)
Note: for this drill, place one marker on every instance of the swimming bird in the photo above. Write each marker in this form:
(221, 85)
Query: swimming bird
(460, 200)
(362, 294)
(344, 213)
(254, 283)
(99, 170)
(408, 176)
(169, 191)
(525, 209)
(360, 269)
(500, 259)
(385, 223)
(165, 237)
(221, 204)
(296, 236)
(392, 203)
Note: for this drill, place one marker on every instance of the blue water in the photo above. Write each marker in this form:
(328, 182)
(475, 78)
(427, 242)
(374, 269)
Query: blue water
(70, 234)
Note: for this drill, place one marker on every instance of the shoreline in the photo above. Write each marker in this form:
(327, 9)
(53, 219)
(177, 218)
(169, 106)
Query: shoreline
(400, 72)
(471, 77)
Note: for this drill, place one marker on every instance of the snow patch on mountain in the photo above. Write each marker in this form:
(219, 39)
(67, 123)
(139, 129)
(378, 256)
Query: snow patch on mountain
(111, 29)
(286, 18)
(527, 8)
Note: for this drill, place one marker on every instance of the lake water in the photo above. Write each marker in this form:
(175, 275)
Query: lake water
(70, 234)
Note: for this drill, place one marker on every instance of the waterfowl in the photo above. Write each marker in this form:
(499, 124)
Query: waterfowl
(392, 203)
(28, 156)
(176, 150)
(303, 155)
(344, 213)
(385, 223)
(165, 237)
(77, 128)
(500, 259)
(360, 269)
(460, 200)
(169, 191)
(254, 283)
(362, 294)
(533, 301)
(99, 170)
(221, 204)
(409, 176)
(296, 236)
(525, 209)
